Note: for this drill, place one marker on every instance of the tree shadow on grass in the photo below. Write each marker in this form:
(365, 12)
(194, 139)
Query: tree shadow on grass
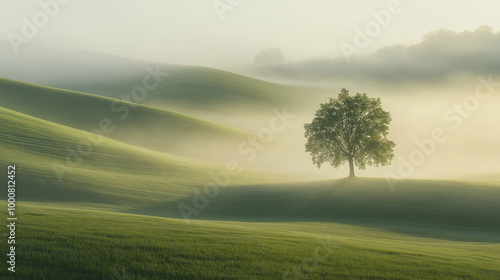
(417, 210)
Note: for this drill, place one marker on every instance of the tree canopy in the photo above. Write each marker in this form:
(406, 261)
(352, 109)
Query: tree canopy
(350, 129)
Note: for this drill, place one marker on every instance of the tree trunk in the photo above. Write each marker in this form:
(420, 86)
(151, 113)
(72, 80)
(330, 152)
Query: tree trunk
(351, 167)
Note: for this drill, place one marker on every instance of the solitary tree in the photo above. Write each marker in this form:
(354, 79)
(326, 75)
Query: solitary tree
(352, 129)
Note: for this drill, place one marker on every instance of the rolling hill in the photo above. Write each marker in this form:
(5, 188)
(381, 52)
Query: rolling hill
(58, 164)
(202, 92)
(188, 89)
(208, 93)
(139, 125)
(200, 88)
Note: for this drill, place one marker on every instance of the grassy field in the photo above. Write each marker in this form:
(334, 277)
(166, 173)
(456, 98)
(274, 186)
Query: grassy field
(63, 243)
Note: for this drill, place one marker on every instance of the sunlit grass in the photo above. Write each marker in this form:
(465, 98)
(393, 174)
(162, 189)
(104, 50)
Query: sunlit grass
(58, 243)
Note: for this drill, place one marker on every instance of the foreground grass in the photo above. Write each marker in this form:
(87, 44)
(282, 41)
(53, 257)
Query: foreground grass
(60, 243)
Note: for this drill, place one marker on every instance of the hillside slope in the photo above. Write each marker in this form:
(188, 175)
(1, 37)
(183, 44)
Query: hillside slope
(187, 87)
(197, 88)
(65, 165)
(139, 125)
(203, 92)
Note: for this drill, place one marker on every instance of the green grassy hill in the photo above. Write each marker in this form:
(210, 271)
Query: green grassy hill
(139, 125)
(203, 88)
(107, 174)
(211, 94)
(194, 88)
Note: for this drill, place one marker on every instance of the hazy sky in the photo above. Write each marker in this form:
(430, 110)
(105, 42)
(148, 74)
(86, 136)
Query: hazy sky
(193, 32)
